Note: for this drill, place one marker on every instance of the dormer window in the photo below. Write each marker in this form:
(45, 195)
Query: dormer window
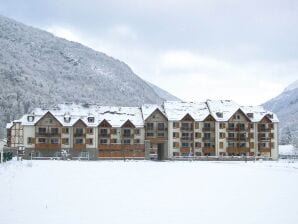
(270, 116)
(91, 119)
(67, 119)
(219, 114)
(30, 118)
(250, 115)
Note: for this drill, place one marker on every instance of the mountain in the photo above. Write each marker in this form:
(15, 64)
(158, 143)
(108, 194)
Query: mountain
(38, 69)
(286, 107)
(162, 93)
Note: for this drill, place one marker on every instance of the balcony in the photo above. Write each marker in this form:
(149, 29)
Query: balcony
(128, 135)
(79, 134)
(238, 150)
(47, 134)
(187, 129)
(208, 150)
(264, 129)
(121, 146)
(104, 135)
(47, 146)
(264, 149)
(185, 150)
(79, 146)
(187, 138)
(264, 139)
(208, 139)
(208, 129)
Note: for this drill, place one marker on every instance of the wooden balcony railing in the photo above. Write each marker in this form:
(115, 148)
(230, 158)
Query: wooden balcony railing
(238, 150)
(47, 146)
(208, 150)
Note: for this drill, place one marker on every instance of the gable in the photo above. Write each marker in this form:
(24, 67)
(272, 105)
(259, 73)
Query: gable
(265, 120)
(187, 117)
(239, 115)
(128, 124)
(48, 120)
(156, 115)
(79, 124)
(104, 124)
(209, 118)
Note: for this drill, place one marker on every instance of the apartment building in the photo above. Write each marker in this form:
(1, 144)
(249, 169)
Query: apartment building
(173, 130)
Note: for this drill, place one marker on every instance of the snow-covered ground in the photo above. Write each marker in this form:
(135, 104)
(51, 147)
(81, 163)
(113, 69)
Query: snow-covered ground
(137, 192)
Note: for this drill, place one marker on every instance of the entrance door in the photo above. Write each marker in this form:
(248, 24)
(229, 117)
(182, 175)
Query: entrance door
(160, 151)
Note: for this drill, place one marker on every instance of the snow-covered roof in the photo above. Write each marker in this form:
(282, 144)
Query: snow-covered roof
(116, 116)
(258, 113)
(69, 114)
(222, 110)
(148, 109)
(176, 110)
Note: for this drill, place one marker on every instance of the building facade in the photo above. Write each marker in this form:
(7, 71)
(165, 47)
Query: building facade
(173, 130)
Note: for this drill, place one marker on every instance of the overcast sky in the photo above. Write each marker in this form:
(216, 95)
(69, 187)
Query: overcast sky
(246, 51)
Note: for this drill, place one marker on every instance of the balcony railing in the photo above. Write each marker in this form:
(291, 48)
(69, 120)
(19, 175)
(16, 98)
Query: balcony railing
(128, 135)
(79, 134)
(264, 129)
(104, 135)
(47, 134)
(238, 150)
(208, 139)
(208, 150)
(208, 129)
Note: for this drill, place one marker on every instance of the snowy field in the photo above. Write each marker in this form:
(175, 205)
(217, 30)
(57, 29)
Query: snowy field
(137, 192)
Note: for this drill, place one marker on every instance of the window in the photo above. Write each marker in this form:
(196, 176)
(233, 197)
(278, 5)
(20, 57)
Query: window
(207, 144)
(90, 131)
(207, 125)
(198, 145)
(126, 133)
(126, 141)
(250, 115)
(185, 144)
(89, 141)
(67, 119)
(161, 126)
(137, 131)
(30, 140)
(241, 126)
(30, 118)
(54, 140)
(150, 134)
(175, 134)
(65, 130)
(222, 125)
(113, 140)
(198, 135)
(113, 131)
(207, 136)
(221, 145)
(175, 124)
(231, 135)
(42, 130)
(149, 126)
(103, 141)
(79, 141)
(137, 141)
(175, 144)
(50, 120)
(41, 140)
(79, 130)
(251, 135)
(65, 141)
(54, 130)
(160, 134)
(91, 119)
(219, 114)
(231, 144)
(231, 125)
(222, 135)
(186, 126)
(238, 117)
(103, 132)
(197, 126)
